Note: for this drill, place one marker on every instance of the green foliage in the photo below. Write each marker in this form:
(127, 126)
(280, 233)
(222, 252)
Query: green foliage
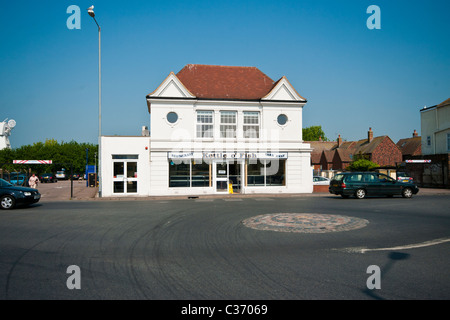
(362, 165)
(313, 133)
(63, 155)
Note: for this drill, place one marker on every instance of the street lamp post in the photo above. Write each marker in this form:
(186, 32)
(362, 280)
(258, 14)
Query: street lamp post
(92, 14)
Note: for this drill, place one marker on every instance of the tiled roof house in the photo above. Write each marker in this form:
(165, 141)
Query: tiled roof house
(381, 150)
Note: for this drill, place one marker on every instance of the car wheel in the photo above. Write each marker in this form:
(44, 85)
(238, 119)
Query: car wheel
(360, 193)
(7, 202)
(407, 193)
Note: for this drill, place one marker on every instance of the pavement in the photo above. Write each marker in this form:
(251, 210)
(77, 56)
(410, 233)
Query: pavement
(77, 190)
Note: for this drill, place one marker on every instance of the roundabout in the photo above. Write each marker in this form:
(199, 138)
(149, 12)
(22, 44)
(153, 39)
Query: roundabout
(304, 222)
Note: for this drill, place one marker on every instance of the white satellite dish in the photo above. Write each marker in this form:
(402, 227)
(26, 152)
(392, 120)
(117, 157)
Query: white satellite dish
(12, 123)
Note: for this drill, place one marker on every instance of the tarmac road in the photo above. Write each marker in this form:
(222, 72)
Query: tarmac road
(200, 249)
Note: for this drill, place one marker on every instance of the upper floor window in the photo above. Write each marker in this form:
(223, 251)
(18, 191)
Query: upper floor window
(448, 141)
(228, 124)
(205, 124)
(429, 141)
(251, 125)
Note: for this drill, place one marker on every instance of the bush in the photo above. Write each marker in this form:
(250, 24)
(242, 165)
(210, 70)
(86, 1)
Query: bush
(362, 165)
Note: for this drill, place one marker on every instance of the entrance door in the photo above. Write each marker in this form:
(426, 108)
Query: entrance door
(221, 178)
(227, 172)
(124, 177)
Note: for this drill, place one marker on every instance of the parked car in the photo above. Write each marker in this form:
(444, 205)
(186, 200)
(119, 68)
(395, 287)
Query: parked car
(48, 177)
(18, 178)
(76, 176)
(61, 175)
(11, 195)
(404, 177)
(362, 184)
(320, 181)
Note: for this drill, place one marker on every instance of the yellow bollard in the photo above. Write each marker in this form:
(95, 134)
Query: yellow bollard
(230, 188)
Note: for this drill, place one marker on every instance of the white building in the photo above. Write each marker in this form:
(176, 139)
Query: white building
(212, 126)
(435, 128)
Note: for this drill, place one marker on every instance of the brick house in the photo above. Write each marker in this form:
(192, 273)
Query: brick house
(381, 150)
(410, 146)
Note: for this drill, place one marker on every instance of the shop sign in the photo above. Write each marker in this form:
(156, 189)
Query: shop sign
(227, 155)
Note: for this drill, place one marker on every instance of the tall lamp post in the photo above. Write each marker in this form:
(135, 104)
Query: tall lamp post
(92, 14)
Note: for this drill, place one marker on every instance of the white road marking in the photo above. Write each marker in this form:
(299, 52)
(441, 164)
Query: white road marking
(405, 247)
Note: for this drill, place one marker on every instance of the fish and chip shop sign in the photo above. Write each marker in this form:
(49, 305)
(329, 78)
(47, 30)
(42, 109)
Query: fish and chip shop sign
(227, 155)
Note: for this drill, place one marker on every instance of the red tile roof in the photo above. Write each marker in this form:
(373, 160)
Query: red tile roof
(225, 82)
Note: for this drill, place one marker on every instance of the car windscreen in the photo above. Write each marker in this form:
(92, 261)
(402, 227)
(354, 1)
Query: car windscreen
(4, 183)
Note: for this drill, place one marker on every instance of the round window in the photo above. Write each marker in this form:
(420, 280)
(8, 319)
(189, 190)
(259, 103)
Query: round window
(172, 117)
(282, 119)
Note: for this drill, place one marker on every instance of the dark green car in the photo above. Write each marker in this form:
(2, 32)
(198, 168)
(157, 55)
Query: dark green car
(362, 184)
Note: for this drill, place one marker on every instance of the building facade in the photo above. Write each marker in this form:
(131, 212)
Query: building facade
(435, 128)
(214, 129)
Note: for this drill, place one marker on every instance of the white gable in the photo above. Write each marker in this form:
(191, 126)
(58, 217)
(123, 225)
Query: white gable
(171, 87)
(283, 91)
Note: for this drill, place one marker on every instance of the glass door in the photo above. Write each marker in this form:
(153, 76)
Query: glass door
(221, 179)
(124, 177)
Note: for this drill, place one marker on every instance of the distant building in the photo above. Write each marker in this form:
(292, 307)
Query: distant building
(410, 146)
(338, 155)
(435, 128)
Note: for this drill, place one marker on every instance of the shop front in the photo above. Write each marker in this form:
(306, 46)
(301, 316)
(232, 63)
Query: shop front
(217, 171)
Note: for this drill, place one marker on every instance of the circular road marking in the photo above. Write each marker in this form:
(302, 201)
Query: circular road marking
(304, 222)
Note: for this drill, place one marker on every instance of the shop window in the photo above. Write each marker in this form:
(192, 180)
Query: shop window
(266, 173)
(200, 174)
(275, 172)
(191, 174)
(179, 175)
(255, 173)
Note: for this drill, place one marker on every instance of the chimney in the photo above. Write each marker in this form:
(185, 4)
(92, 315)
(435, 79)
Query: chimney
(145, 131)
(415, 134)
(339, 141)
(370, 135)
(320, 138)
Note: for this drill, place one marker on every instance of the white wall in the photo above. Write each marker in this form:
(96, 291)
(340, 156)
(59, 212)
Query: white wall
(120, 145)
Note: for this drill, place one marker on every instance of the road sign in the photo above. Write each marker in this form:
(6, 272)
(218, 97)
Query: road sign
(32, 161)
(418, 161)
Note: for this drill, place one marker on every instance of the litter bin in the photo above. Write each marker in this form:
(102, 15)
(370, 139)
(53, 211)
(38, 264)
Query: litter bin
(91, 180)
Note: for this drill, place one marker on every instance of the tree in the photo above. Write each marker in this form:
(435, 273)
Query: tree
(362, 165)
(64, 154)
(313, 133)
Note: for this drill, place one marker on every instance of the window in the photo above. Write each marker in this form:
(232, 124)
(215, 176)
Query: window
(172, 117)
(191, 174)
(448, 141)
(200, 174)
(251, 124)
(428, 141)
(205, 125)
(282, 119)
(266, 173)
(179, 174)
(228, 124)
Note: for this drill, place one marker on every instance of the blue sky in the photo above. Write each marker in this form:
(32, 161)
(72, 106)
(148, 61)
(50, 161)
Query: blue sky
(353, 77)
